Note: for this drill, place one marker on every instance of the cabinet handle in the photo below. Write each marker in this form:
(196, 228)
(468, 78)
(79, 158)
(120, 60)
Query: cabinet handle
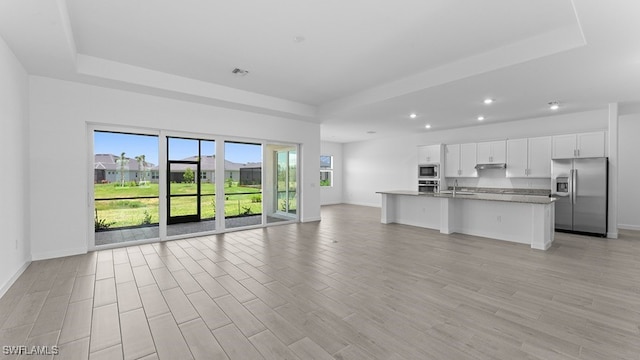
(578, 152)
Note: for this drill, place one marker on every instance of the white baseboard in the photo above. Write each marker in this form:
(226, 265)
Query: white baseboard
(311, 219)
(332, 203)
(629, 227)
(58, 253)
(612, 235)
(7, 285)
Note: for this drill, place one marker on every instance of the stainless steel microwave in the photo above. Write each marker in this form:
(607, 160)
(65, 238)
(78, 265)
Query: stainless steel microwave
(429, 171)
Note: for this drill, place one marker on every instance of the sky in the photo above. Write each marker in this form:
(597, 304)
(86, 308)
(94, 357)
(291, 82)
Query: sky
(135, 145)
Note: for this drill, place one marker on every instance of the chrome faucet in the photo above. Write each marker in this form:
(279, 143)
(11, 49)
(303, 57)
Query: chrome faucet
(455, 185)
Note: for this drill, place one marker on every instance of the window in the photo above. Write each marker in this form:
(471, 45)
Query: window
(326, 170)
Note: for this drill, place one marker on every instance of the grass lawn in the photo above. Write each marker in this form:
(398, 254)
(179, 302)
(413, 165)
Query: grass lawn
(131, 212)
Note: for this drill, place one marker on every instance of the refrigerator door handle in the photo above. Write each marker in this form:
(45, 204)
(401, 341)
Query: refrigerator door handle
(574, 185)
(570, 181)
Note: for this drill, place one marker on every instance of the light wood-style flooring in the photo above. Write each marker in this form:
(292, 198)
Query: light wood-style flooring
(347, 287)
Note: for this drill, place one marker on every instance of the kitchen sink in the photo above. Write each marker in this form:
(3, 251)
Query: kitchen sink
(457, 192)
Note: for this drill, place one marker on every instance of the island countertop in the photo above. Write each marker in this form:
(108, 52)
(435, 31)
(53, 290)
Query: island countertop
(527, 199)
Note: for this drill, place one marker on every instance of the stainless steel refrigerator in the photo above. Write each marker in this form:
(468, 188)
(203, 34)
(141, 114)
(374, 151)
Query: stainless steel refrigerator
(580, 186)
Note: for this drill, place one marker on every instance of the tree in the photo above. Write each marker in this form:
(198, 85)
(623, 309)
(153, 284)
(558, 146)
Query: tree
(142, 167)
(123, 162)
(188, 176)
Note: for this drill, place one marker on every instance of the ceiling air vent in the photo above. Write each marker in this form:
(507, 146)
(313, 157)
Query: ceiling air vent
(239, 72)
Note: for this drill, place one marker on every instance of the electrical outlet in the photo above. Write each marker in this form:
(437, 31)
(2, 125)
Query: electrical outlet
(499, 219)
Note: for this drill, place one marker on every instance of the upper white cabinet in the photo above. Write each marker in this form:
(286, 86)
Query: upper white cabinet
(468, 160)
(452, 160)
(429, 154)
(591, 144)
(579, 145)
(529, 157)
(492, 152)
(460, 160)
(540, 157)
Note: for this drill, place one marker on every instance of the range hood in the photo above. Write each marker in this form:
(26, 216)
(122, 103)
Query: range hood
(491, 166)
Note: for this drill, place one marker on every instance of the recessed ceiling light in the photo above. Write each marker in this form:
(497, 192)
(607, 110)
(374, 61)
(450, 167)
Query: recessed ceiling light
(554, 105)
(488, 101)
(371, 132)
(298, 39)
(427, 126)
(480, 118)
(413, 115)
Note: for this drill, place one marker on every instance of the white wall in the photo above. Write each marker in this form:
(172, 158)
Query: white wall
(390, 164)
(60, 111)
(333, 194)
(629, 172)
(14, 147)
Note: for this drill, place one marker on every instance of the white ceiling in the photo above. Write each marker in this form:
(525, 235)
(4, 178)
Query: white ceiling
(364, 65)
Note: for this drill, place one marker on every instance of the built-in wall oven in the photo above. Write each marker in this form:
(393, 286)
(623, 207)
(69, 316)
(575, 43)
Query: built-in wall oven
(429, 171)
(428, 186)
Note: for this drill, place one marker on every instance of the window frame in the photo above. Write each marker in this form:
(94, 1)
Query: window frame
(326, 170)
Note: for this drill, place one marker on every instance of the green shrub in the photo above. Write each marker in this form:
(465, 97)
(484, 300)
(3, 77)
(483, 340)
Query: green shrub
(256, 199)
(102, 224)
(146, 220)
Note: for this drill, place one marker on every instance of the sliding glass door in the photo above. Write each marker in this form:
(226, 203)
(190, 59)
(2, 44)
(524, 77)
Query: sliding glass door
(254, 184)
(190, 186)
(125, 187)
(242, 184)
(283, 205)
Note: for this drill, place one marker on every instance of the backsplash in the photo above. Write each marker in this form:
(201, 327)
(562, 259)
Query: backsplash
(496, 178)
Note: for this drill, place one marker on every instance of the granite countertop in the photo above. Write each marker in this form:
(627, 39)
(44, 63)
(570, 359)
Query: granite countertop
(537, 197)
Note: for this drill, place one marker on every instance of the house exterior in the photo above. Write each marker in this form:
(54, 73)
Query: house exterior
(107, 169)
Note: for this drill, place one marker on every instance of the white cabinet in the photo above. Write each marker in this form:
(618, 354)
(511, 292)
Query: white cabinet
(492, 152)
(579, 145)
(517, 157)
(590, 144)
(429, 154)
(529, 157)
(460, 160)
(452, 160)
(540, 157)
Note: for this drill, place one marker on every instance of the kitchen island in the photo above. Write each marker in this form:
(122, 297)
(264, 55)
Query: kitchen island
(525, 219)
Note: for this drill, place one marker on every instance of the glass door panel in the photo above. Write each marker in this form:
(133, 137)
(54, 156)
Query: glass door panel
(283, 171)
(183, 194)
(191, 167)
(242, 184)
(126, 200)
